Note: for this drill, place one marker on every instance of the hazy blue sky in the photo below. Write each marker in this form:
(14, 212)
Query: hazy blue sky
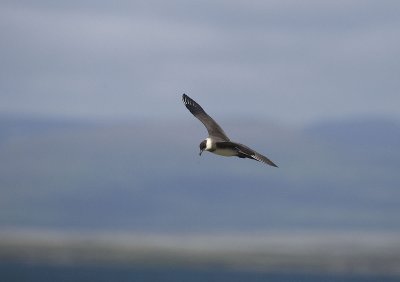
(290, 61)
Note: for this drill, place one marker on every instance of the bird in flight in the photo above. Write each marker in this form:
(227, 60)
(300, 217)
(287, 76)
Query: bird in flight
(217, 142)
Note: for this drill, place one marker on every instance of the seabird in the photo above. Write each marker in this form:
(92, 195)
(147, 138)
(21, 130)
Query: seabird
(217, 142)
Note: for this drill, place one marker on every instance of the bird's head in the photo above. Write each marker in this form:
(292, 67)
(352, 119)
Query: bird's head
(202, 146)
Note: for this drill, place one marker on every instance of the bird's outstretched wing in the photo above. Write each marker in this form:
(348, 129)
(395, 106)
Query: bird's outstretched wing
(246, 152)
(214, 130)
(254, 155)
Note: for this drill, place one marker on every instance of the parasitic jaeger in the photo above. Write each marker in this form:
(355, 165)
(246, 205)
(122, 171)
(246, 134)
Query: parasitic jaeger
(217, 142)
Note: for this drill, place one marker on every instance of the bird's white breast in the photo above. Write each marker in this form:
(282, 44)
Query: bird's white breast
(208, 144)
(225, 152)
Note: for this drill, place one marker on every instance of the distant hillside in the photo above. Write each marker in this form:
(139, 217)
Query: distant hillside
(148, 176)
(373, 141)
(25, 126)
(356, 132)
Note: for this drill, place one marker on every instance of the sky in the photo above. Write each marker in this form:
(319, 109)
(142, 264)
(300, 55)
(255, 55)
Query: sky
(296, 62)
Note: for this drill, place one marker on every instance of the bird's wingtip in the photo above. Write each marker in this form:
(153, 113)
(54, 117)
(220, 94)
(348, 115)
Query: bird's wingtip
(272, 164)
(187, 100)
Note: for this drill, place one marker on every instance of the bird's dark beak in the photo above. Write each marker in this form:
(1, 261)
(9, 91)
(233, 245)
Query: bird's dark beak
(201, 151)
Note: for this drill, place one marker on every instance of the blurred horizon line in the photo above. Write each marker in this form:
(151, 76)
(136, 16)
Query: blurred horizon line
(338, 252)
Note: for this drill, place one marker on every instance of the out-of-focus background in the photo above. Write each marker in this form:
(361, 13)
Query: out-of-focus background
(99, 158)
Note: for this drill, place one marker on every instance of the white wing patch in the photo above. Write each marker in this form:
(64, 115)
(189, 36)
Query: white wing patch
(187, 101)
(265, 161)
(259, 159)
